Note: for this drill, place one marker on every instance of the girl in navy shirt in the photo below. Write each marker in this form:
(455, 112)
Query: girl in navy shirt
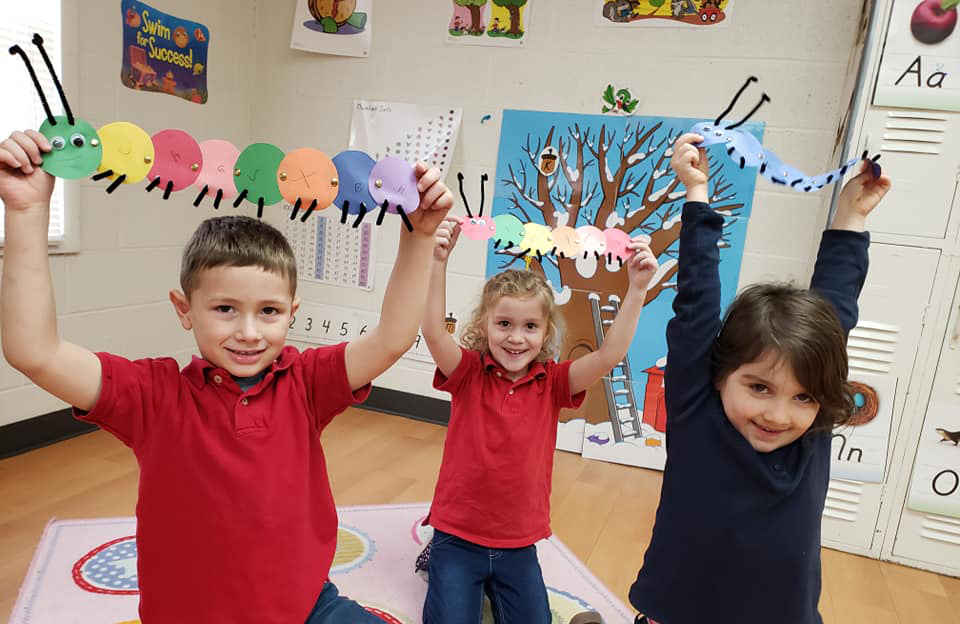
(751, 402)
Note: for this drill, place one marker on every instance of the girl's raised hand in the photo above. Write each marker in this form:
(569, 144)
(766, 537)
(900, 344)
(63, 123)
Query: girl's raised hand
(858, 199)
(435, 199)
(448, 232)
(691, 166)
(642, 265)
(22, 181)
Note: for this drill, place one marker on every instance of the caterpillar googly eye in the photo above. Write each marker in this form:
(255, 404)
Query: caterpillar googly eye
(77, 140)
(58, 143)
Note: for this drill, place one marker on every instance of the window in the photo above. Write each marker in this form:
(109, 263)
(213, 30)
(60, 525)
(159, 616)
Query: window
(22, 108)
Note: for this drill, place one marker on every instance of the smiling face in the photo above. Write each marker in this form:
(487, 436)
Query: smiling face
(77, 150)
(239, 316)
(308, 174)
(516, 329)
(764, 402)
(127, 149)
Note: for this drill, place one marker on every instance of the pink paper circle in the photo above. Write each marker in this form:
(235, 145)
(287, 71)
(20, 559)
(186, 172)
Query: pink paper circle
(478, 228)
(617, 241)
(176, 158)
(216, 174)
(392, 180)
(592, 239)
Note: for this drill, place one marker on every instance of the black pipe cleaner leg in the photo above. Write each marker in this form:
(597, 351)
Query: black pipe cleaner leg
(166, 191)
(383, 211)
(496, 243)
(101, 175)
(539, 256)
(553, 251)
(343, 210)
(260, 207)
(216, 201)
(360, 215)
(609, 257)
(562, 256)
(154, 184)
(203, 193)
(309, 211)
(620, 260)
(403, 216)
(296, 208)
(117, 182)
(483, 182)
(239, 200)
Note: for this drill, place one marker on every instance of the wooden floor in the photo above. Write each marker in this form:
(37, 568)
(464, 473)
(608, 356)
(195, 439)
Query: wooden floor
(603, 512)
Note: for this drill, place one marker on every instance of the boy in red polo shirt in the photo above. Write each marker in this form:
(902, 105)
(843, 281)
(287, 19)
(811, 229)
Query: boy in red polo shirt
(235, 518)
(492, 501)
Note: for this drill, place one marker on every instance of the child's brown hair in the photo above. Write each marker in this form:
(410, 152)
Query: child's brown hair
(803, 329)
(236, 241)
(523, 285)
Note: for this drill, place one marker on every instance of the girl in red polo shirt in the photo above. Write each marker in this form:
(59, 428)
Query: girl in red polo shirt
(492, 501)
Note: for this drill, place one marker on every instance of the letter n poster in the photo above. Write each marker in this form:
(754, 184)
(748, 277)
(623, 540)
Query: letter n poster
(920, 67)
(163, 53)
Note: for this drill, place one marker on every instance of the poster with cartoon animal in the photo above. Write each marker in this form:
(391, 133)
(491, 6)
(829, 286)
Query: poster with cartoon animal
(163, 53)
(573, 180)
(920, 67)
(489, 22)
(662, 13)
(341, 27)
(860, 447)
(935, 483)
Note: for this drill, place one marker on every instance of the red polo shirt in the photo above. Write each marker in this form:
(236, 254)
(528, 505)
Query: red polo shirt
(497, 470)
(235, 518)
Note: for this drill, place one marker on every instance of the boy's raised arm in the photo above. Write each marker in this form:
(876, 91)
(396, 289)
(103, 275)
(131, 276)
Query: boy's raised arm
(28, 315)
(404, 300)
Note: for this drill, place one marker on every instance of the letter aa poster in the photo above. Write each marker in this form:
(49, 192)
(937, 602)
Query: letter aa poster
(163, 53)
(921, 58)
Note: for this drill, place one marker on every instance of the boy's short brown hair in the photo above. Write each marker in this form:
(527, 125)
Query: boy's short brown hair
(236, 241)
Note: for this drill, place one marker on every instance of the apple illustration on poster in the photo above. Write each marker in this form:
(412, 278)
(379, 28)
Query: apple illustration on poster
(934, 20)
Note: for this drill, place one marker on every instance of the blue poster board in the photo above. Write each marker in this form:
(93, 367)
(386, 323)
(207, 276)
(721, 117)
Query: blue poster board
(608, 171)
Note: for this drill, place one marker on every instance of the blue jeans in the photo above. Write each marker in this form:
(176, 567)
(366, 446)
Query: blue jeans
(461, 572)
(332, 608)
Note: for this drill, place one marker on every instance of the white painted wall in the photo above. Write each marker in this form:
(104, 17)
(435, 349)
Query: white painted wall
(112, 295)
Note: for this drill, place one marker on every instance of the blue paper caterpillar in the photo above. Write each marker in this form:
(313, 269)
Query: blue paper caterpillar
(745, 150)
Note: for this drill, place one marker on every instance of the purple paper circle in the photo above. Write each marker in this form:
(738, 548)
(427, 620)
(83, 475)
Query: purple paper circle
(393, 180)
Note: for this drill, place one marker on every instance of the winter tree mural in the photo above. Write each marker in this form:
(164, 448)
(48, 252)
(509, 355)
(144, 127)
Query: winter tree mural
(590, 170)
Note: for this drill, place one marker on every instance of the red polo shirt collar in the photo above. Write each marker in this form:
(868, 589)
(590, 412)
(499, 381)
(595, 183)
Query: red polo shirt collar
(536, 369)
(198, 370)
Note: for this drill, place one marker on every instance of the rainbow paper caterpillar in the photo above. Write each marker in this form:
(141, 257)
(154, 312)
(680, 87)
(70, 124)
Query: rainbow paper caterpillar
(261, 173)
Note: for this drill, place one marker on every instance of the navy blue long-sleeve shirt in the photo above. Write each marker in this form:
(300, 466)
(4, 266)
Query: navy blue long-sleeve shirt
(737, 532)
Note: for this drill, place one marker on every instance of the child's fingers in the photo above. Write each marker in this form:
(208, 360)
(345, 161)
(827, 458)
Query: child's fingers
(29, 147)
(432, 196)
(427, 178)
(419, 168)
(687, 139)
(20, 160)
(42, 142)
(7, 158)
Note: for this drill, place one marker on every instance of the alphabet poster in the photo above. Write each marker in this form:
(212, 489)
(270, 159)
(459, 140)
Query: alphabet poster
(921, 59)
(935, 484)
(163, 53)
(860, 447)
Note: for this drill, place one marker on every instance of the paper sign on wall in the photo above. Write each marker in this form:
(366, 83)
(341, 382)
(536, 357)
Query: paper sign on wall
(333, 27)
(935, 484)
(163, 53)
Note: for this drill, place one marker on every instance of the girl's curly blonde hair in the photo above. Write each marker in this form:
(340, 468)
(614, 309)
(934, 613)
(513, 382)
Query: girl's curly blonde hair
(523, 285)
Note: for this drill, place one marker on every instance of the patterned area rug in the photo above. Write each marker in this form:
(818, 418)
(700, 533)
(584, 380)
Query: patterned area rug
(85, 571)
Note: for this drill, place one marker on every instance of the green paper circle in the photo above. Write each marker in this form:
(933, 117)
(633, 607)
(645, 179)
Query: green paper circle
(71, 162)
(257, 166)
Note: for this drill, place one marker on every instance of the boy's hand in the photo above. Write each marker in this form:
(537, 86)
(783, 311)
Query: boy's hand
(642, 265)
(447, 235)
(858, 199)
(435, 200)
(22, 181)
(691, 166)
